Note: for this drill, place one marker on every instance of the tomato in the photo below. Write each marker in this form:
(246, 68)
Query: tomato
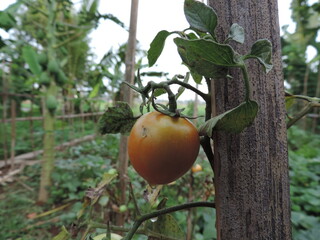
(196, 168)
(162, 148)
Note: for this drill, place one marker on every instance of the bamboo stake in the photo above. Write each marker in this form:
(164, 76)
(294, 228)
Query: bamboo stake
(13, 132)
(4, 116)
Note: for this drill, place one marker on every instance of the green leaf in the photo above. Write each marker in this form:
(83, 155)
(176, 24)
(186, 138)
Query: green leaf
(95, 90)
(31, 58)
(157, 46)
(200, 16)
(159, 91)
(262, 51)
(236, 33)
(207, 57)
(165, 227)
(2, 43)
(233, 121)
(210, 51)
(196, 77)
(117, 119)
(199, 67)
(63, 235)
(7, 21)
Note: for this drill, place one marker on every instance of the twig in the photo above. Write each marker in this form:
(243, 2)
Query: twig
(134, 200)
(303, 112)
(25, 186)
(160, 212)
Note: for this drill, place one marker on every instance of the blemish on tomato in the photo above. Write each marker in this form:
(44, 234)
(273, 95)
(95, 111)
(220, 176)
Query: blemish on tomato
(144, 132)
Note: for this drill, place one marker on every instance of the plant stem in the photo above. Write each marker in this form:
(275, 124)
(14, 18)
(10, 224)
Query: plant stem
(246, 81)
(205, 141)
(306, 98)
(134, 200)
(172, 99)
(158, 213)
(303, 112)
(152, 85)
(206, 97)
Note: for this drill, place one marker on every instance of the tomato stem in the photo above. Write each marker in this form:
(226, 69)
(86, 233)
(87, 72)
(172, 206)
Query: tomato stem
(158, 213)
(246, 82)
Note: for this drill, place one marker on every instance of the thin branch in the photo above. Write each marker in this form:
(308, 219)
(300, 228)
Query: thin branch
(134, 200)
(205, 141)
(303, 112)
(206, 97)
(158, 213)
(207, 148)
(306, 98)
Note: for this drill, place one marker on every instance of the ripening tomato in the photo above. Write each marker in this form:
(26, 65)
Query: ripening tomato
(162, 148)
(196, 168)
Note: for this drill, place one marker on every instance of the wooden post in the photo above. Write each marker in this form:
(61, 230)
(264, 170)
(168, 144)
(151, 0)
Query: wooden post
(31, 123)
(4, 117)
(251, 168)
(13, 132)
(82, 117)
(127, 97)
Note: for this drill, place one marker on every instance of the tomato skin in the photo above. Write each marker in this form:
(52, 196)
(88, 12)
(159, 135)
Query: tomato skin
(162, 148)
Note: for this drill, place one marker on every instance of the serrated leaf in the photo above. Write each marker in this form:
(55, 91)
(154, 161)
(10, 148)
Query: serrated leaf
(63, 235)
(30, 56)
(262, 51)
(200, 16)
(165, 227)
(207, 57)
(236, 33)
(117, 119)
(232, 121)
(157, 46)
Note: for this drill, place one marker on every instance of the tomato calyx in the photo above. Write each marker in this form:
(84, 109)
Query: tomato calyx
(157, 89)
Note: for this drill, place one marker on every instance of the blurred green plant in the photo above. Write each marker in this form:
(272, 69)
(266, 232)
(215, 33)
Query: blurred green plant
(304, 157)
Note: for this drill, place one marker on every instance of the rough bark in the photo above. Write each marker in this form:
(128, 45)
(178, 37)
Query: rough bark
(251, 168)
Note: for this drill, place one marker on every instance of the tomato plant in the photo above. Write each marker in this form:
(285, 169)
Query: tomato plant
(163, 144)
(162, 148)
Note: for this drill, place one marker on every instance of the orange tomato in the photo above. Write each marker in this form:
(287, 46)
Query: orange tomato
(196, 168)
(162, 148)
